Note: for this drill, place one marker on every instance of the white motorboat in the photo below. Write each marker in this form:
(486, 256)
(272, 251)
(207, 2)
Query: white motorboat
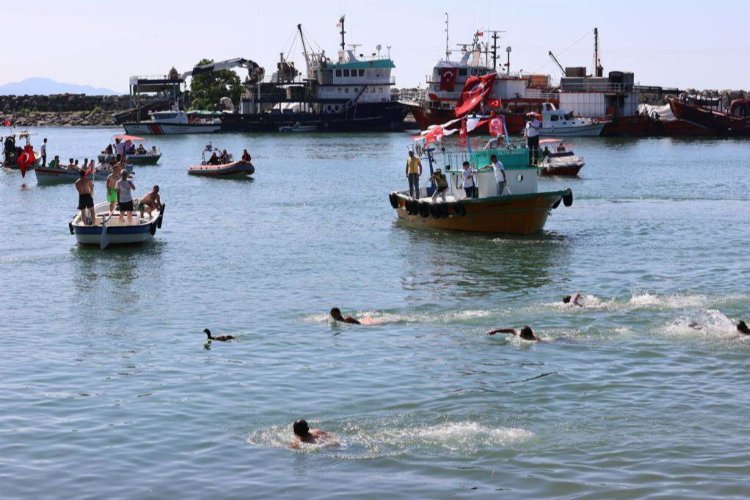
(175, 122)
(560, 123)
(108, 230)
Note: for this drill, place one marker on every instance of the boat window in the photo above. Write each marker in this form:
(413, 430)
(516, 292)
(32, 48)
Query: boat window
(346, 72)
(361, 72)
(338, 72)
(520, 177)
(461, 71)
(346, 90)
(336, 107)
(340, 90)
(380, 89)
(554, 118)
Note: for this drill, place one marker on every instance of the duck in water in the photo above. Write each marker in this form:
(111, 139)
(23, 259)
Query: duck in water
(220, 338)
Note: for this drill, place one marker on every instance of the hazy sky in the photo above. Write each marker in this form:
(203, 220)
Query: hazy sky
(701, 44)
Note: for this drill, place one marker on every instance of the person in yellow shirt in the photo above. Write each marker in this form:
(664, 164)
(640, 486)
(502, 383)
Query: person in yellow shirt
(413, 171)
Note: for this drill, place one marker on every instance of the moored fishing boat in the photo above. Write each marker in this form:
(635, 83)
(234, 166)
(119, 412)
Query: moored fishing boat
(108, 230)
(523, 210)
(560, 160)
(56, 175)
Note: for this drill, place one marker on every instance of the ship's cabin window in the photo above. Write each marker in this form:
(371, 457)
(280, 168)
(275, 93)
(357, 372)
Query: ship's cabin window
(554, 118)
(340, 90)
(338, 72)
(346, 90)
(380, 89)
(361, 72)
(336, 107)
(461, 71)
(346, 72)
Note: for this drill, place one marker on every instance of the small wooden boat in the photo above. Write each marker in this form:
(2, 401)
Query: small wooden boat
(144, 157)
(560, 160)
(46, 176)
(228, 170)
(523, 210)
(109, 230)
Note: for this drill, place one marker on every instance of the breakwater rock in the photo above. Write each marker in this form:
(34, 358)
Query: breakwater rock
(61, 109)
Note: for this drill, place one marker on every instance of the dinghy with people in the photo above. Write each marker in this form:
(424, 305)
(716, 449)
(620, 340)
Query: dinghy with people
(220, 164)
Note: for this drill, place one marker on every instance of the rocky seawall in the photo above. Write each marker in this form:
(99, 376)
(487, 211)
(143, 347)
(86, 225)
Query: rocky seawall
(61, 110)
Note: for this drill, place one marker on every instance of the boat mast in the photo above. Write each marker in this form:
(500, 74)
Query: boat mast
(341, 23)
(304, 49)
(447, 50)
(598, 70)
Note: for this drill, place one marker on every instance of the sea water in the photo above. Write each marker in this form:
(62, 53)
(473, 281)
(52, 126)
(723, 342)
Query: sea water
(110, 390)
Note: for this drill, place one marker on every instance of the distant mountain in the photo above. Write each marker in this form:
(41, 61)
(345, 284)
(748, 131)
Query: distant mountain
(45, 86)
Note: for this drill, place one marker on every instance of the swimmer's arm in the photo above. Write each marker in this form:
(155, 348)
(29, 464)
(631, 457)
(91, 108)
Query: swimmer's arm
(502, 330)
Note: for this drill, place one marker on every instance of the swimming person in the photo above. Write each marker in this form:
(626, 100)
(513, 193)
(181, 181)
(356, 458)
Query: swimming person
(576, 299)
(336, 314)
(303, 434)
(526, 333)
(742, 328)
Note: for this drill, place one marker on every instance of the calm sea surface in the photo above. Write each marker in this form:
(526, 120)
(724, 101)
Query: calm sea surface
(109, 391)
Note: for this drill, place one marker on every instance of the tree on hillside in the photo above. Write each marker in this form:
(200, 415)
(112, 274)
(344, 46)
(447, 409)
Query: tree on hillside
(207, 89)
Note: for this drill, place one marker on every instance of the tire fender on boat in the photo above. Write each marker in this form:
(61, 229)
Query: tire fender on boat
(425, 210)
(557, 203)
(161, 216)
(152, 228)
(393, 198)
(459, 209)
(568, 198)
(444, 210)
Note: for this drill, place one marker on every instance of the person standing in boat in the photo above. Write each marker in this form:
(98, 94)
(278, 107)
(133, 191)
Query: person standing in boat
(470, 187)
(246, 156)
(44, 152)
(151, 201)
(125, 196)
(112, 179)
(85, 190)
(500, 177)
(532, 138)
(413, 171)
(441, 184)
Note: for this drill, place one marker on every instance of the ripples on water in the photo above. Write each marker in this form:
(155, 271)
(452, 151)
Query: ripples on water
(110, 389)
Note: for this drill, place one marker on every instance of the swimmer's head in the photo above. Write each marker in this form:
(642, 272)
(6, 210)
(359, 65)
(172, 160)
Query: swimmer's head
(527, 333)
(301, 428)
(335, 313)
(742, 328)
(566, 299)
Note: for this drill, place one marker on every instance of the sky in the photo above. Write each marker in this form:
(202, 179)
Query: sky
(697, 44)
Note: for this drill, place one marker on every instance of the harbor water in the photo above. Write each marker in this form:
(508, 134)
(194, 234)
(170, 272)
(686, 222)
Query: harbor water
(109, 389)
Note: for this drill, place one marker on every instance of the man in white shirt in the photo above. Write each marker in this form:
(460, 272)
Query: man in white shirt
(119, 148)
(499, 170)
(532, 138)
(44, 152)
(469, 187)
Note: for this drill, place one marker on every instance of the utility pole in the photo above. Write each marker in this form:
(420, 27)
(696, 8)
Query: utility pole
(341, 23)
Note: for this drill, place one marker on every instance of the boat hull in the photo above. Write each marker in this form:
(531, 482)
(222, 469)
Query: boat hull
(235, 170)
(117, 233)
(46, 176)
(719, 123)
(592, 130)
(560, 170)
(513, 214)
(151, 128)
(144, 159)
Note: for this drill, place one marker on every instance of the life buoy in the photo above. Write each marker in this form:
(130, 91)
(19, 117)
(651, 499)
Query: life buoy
(425, 209)
(568, 198)
(393, 198)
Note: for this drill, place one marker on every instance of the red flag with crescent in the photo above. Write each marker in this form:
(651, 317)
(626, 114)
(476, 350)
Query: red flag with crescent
(475, 90)
(448, 79)
(496, 127)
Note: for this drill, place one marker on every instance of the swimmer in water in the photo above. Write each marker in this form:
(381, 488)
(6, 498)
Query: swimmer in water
(303, 434)
(525, 333)
(742, 328)
(696, 326)
(576, 299)
(336, 314)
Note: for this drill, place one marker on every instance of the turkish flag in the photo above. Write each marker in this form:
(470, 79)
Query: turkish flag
(463, 134)
(494, 103)
(434, 135)
(448, 79)
(475, 90)
(496, 127)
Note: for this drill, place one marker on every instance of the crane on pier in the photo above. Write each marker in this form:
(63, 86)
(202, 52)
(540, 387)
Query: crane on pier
(557, 62)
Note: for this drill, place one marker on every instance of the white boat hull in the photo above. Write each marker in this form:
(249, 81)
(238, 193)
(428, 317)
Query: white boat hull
(118, 233)
(592, 130)
(151, 128)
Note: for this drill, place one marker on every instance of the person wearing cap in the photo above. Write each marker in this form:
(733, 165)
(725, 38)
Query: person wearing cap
(413, 171)
(125, 196)
(441, 184)
(525, 333)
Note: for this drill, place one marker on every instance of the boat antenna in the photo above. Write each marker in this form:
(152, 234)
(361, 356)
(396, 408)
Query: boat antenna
(341, 25)
(304, 48)
(598, 69)
(495, 38)
(447, 50)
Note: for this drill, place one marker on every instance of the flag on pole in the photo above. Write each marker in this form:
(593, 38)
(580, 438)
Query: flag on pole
(475, 90)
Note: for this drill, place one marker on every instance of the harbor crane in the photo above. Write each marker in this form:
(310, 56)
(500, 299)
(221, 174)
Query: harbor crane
(557, 62)
(255, 72)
